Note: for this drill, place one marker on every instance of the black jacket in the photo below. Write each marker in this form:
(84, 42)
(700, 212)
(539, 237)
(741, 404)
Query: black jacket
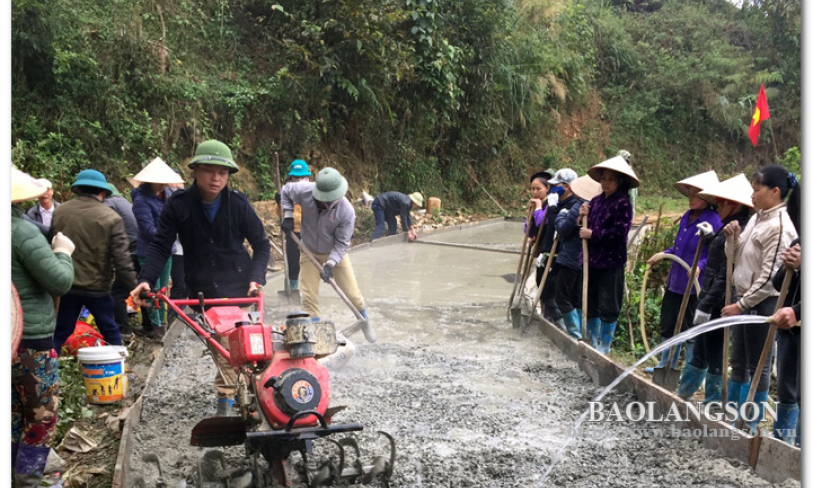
(215, 260)
(395, 203)
(794, 298)
(712, 296)
(549, 233)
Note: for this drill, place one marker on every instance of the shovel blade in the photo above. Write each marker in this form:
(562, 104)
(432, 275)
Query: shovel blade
(365, 327)
(516, 317)
(666, 377)
(290, 296)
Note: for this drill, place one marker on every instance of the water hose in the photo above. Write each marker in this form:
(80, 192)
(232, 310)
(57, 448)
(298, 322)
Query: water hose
(657, 258)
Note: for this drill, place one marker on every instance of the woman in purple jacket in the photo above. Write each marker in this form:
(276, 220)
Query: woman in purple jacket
(148, 202)
(609, 218)
(685, 248)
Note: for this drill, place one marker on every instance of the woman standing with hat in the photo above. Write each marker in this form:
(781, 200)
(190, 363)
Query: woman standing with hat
(149, 196)
(609, 218)
(39, 271)
(757, 257)
(685, 246)
(733, 201)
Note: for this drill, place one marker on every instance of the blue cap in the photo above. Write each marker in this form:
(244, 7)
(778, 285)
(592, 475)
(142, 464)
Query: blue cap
(299, 168)
(91, 178)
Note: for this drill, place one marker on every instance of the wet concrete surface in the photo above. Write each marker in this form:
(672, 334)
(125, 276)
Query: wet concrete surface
(469, 401)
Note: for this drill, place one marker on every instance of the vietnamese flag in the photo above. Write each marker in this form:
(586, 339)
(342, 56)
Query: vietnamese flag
(760, 113)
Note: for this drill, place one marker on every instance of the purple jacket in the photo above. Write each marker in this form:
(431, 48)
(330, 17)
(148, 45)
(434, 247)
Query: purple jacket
(147, 208)
(610, 218)
(539, 217)
(685, 247)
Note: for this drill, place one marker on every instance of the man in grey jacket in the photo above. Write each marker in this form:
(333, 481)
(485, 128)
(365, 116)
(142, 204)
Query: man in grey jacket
(328, 219)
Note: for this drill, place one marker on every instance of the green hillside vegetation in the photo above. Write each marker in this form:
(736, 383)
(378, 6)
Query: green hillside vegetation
(405, 95)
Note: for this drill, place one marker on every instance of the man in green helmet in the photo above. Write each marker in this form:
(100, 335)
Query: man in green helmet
(211, 221)
(328, 219)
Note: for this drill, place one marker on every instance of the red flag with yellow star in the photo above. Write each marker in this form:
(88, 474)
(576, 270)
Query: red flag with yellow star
(760, 113)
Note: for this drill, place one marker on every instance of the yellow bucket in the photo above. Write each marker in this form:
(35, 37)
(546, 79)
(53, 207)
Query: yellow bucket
(104, 372)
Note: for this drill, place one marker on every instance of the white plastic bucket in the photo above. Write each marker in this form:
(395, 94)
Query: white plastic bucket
(104, 372)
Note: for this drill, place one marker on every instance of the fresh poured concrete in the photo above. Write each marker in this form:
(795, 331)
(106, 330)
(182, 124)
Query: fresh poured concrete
(469, 401)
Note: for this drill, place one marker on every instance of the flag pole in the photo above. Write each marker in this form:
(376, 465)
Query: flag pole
(773, 139)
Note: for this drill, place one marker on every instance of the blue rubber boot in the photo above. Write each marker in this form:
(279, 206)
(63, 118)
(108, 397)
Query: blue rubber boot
(690, 381)
(661, 363)
(714, 388)
(787, 420)
(224, 407)
(367, 329)
(581, 319)
(759, 398)
(594, 331)
(294, 284)
(735, 393)
(607, 333)
(689, 352)
(573, 324)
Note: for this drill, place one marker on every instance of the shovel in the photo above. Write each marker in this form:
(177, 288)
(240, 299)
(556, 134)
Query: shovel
(290, 296)
(516, 313)
(667, 376)
(527, 322)
(361, 323)
(517, 278)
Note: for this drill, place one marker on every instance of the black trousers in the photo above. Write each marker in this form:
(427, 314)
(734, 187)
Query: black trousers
(549, 291)
(605, 293)
(292, 255)
(178, 290)
(788, 365)
(568, 289)
(747, 342)
(708, 349)
(669, 313)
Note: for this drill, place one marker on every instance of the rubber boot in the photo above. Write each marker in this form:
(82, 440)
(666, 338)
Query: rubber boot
(224, 407)
(714, 388)
(30, 466)
(690, 381)
(593, 331)
(368, 331)
(787, 419)
(573, 324)
(607, 333)
(294, 284)
(661, 363)
(689, 352)
(759, 398)
(735, 394)
(560, 324)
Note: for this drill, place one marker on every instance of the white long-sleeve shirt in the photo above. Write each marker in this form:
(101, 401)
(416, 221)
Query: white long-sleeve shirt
(757, 253)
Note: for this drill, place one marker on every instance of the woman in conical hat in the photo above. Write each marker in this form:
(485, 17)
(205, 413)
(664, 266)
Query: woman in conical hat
(757, 252)
(733, 200)
(39, 272)
(685, 247)
(609, 218)
(149, 196)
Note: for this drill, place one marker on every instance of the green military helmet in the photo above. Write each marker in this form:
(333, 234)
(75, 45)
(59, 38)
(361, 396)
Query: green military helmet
(216, 153)
(330, 186)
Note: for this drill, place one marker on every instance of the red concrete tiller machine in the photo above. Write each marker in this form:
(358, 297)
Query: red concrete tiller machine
(283, 394)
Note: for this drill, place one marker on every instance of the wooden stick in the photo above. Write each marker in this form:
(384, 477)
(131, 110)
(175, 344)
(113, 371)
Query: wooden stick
(545, 274)
(532, 252)
(521, 260)
(729, 272)
(282, 234)
(585, 276)
(685, 302)
(484, 190)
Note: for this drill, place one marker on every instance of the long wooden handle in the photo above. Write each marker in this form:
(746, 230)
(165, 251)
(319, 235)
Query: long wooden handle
(332, 281)
(729, 272)
(532, 253)
(585, 276)
(686, 294)
(766, 348)
(286, 284)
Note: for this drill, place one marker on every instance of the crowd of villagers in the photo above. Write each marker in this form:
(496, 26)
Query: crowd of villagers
(755, 224)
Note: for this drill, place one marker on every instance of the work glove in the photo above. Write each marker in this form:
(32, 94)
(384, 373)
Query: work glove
(553, 199)
(327, 273)
(61, 243)
(701, 317)
(288, 225)
(541, 260)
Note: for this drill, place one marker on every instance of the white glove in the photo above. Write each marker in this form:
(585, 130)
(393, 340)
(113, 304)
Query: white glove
(61, 243)
(540, 260)
(704, 229)
(701, 317)
(553, 199)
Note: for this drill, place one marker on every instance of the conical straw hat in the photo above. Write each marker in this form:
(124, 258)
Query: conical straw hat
(586, 187)
(737, 189)
(702, 181)
(157, 172)
(617, 164)
(24, 186)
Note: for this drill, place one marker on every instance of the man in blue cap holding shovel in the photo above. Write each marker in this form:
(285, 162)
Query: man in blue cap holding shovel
(102, 250)
(299, 172)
